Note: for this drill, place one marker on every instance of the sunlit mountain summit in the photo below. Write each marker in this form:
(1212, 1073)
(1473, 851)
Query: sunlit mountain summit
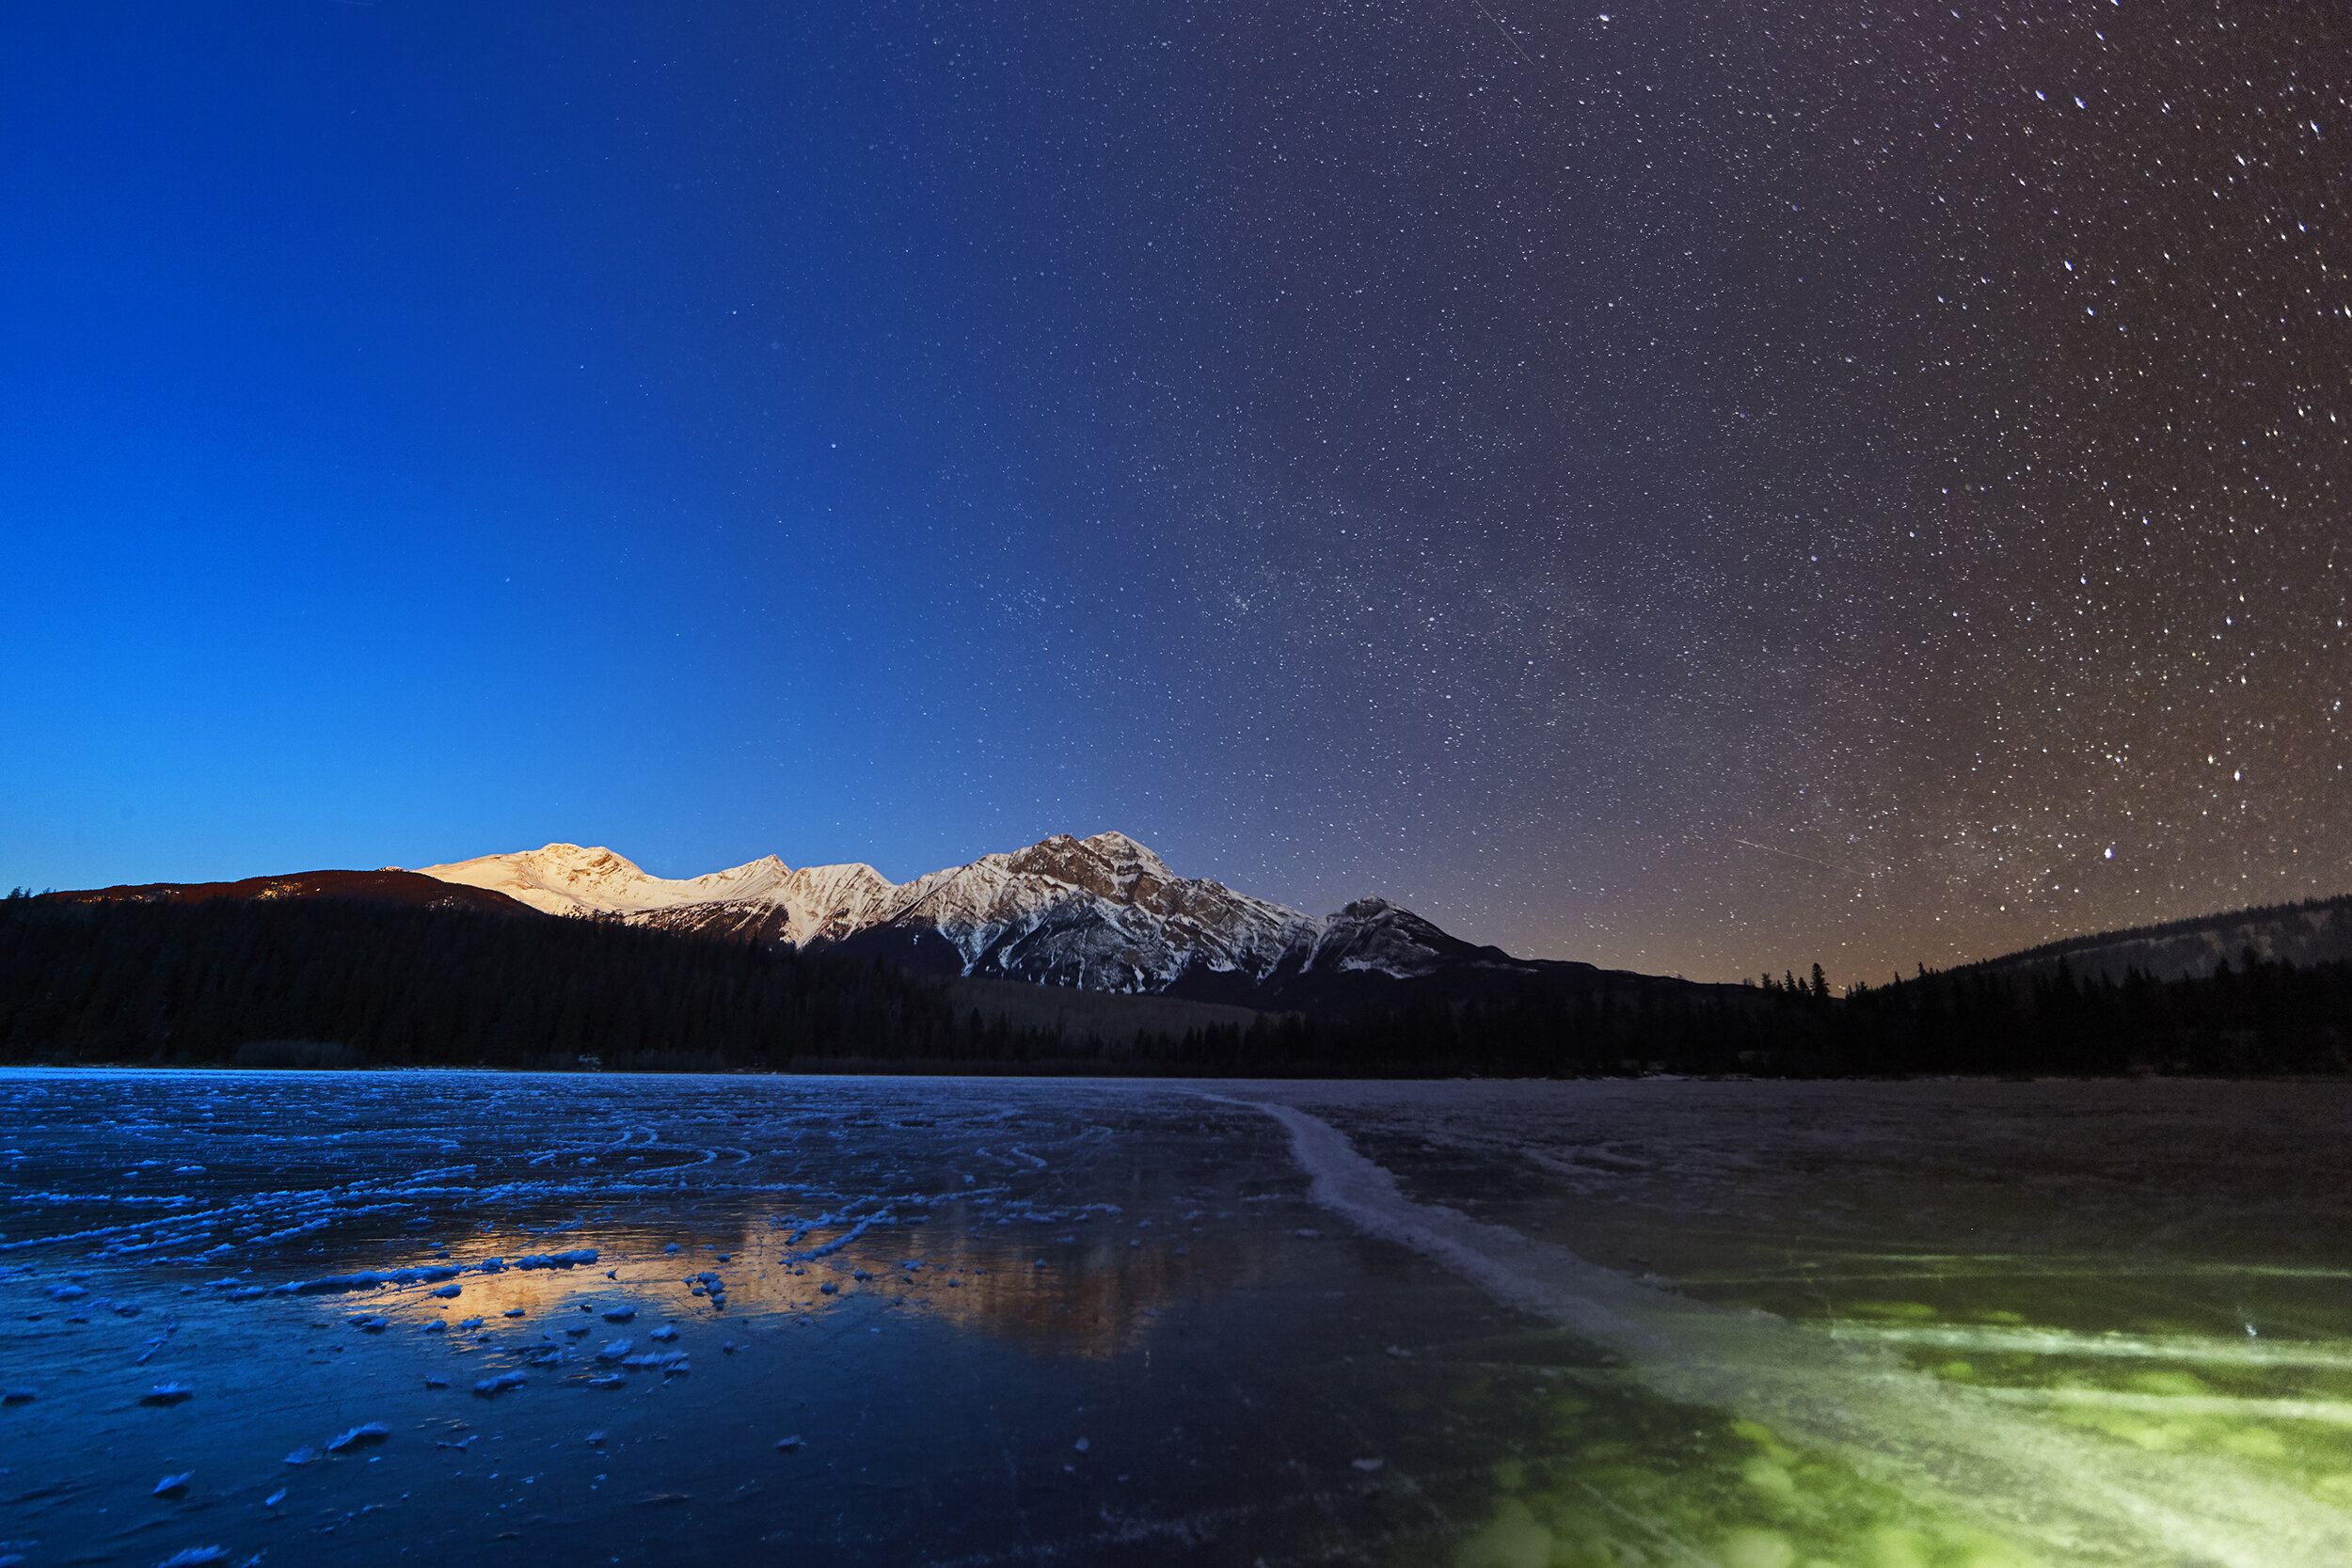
(1101, 913)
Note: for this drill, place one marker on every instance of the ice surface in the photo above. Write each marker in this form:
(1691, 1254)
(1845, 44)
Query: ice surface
(1927, 1433)
(1664, 1323)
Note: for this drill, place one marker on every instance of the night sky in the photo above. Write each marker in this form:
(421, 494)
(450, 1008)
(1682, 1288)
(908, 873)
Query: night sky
(1704, 488)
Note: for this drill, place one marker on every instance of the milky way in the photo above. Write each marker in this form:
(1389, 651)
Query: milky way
(1703, 488)
(1852, 481)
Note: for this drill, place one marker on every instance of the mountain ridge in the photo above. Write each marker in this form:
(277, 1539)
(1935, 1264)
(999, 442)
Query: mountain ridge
(1103, 914)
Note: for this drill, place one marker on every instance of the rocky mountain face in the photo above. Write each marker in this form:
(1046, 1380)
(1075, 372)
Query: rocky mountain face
(1102, 913)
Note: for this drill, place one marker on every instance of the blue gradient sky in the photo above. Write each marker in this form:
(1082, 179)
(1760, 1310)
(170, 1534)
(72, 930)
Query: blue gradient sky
(435, 432)
(1543, 469)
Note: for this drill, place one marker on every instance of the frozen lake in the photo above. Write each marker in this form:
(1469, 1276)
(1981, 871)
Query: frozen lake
(353, 1318)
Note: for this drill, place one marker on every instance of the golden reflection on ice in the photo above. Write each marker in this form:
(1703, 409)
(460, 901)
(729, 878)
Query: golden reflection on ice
(1092, 1298)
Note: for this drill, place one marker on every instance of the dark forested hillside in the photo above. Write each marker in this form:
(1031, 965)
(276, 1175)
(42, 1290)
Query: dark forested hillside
(2315, 931)
(128, 981)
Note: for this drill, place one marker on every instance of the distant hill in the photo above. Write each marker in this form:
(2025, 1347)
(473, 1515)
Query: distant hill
(2318, 930)
(400, 888)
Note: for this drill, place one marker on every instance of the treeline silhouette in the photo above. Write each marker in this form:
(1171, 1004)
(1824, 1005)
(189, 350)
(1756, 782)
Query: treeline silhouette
(192, 983)
(200, 984)
(2256, 1017)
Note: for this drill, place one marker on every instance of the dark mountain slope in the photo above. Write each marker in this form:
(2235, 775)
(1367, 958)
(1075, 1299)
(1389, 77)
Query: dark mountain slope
(2316, 931)
(404, 889)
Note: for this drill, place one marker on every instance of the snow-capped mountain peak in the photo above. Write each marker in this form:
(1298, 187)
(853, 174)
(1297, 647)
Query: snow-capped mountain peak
(1109, 865)
(568, 879)
(1102, 913)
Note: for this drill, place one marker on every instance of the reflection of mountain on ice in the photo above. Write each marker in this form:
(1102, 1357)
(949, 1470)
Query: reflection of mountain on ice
(1104, 912)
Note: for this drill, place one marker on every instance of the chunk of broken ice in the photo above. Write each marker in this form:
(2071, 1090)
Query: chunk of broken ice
(275, 1498)
(168, 1393)
(667, 1331)
(367, 1431)
(195, 1556)
(171, 1486)
(558, 1259)
(615, 1351)
(451, 1291)
(302, 1455)
(787, 1444)
(489, 1387)
(619, 1314)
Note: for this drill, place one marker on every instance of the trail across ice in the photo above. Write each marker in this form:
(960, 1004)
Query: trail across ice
(1969, 1450)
